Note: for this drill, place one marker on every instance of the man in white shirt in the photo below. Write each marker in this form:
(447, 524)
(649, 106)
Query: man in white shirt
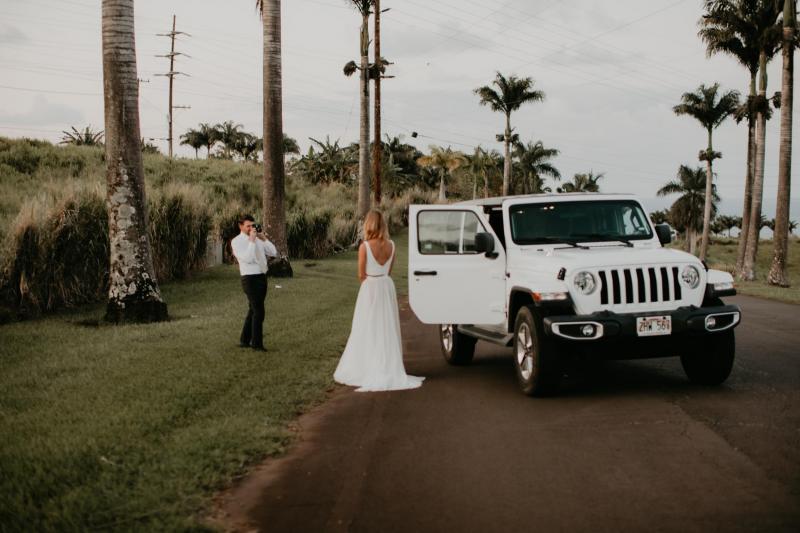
(251, 249)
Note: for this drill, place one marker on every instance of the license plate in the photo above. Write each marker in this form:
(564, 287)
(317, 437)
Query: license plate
(649, 326)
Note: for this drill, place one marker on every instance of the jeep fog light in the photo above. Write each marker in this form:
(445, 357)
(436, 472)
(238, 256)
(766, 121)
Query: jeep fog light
(711, 322)
(587, 330)
(584, 282)
(691, 276)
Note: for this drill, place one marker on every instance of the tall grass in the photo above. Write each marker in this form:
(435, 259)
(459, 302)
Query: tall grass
(53, 228)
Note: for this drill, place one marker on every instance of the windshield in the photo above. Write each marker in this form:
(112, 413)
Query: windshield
(570, 222)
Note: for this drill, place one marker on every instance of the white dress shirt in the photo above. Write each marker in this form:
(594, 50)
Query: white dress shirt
(252, 255)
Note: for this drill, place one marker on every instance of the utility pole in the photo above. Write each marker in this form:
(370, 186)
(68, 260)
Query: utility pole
(171, 75)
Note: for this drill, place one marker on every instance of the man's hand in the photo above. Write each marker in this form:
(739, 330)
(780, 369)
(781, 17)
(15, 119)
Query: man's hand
(252, 235)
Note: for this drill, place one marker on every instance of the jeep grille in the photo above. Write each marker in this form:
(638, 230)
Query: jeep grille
(639, 285)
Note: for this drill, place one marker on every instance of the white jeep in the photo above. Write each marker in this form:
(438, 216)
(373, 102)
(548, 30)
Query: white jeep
(566, 276)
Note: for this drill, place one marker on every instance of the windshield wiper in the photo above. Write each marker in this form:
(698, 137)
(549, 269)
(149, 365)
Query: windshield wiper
(600, 237)
(553, 240)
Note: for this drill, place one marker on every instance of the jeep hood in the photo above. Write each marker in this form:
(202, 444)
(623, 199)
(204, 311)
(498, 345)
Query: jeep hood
(603, 256)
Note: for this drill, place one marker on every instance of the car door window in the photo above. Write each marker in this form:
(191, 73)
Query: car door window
(447, 232)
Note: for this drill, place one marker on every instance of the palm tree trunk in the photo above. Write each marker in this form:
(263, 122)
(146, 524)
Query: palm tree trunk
(196, 154)
(751, 248)
(507, 154)
(273, 185)
(485, 185)
(133, 293)
(748, 189)
(474, 186)
(377, 148)
(707, 203)
(778, 274)
(442, 192)
(363, 144)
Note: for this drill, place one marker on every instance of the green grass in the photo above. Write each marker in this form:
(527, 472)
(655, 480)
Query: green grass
(135, 427)
(722, 255)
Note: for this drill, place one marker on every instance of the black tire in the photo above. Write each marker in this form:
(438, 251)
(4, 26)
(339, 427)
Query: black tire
(457, 348)
(538, 367)
(710, 360)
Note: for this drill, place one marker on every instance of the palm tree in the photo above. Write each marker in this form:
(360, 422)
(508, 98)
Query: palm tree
(228, 133)
(587, 182)
(290, 145)
(777, 272)
(746, 30)
(210, 136)
(273, 184)
(687, 211)
(86, 137)
(444, 161)
(511, 93)
(710, 109)
(248, 145)
(193, 138)
(364, 9)
(482, 163)
(534, 163)
(133, 293)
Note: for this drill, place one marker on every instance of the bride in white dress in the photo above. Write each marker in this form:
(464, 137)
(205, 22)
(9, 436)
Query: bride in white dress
(373, 357)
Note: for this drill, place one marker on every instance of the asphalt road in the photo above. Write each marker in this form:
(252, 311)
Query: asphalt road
(633, 448)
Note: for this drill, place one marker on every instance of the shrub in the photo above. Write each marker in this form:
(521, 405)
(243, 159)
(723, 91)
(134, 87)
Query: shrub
(58, 253)
(307, 234)
(179, 224)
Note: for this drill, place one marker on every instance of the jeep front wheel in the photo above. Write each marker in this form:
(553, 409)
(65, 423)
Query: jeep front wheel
(538, 368)
(457, 348)
(710, 361)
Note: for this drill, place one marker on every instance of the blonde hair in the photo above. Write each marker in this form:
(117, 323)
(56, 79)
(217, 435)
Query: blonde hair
(375, 226)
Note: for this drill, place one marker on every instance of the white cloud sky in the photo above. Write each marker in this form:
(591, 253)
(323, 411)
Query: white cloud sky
(611, 72)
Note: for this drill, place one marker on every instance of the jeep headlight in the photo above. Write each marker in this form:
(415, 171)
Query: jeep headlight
(691, 276)
(584, 281)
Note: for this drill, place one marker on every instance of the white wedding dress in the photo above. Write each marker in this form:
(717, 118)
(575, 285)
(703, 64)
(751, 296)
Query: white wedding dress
(373, 357)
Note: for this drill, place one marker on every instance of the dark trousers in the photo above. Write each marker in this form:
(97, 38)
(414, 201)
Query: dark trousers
(255, 287)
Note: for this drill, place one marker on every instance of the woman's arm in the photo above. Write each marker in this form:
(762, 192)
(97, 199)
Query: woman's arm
(394, 256)
(362, 261)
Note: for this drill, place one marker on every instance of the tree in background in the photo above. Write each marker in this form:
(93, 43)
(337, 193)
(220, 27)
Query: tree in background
(444, 161)
(483, 163)
(228, 134)
(364, 8)
(710, 109)
(511, 93)
(587, 182)
(687, 211)
(133, 293)
(747, 30)
(778, 274)
(534, 163)
(210, 136)
(86, 137)
(194, 139)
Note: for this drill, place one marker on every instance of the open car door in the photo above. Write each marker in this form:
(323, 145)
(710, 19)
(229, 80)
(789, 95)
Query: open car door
(449, 280)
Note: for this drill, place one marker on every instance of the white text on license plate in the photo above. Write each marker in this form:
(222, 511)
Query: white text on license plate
(648, 326)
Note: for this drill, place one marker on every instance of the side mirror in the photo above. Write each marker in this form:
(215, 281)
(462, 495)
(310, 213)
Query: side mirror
(484, 244)
(664, 233)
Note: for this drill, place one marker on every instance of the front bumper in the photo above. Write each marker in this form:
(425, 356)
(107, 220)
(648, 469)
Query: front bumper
(605, 325)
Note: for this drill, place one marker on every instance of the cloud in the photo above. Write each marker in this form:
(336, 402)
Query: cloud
(12, 35)
(44, 113)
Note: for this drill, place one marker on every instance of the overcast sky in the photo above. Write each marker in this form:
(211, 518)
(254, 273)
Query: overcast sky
(611, 72)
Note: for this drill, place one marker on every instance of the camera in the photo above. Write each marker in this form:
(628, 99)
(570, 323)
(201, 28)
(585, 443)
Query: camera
(258, 227)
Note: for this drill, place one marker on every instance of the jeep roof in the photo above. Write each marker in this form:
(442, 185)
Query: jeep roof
(497, 200)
